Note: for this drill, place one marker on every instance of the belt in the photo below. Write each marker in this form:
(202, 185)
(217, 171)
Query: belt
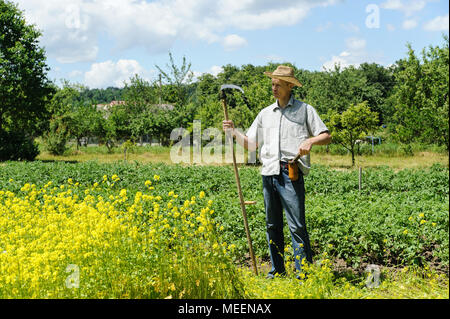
(284, 165)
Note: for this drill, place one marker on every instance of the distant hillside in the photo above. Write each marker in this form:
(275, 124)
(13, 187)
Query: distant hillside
(103, 96)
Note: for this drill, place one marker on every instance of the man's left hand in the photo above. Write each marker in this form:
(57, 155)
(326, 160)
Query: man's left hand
(305, 148)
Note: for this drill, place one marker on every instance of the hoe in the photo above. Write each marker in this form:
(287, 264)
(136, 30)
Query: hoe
(223, 98)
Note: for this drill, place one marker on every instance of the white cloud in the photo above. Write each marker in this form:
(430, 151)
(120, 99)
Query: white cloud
(75, 73)
(410, 10)
(439, 23)
(392, 5)
(350, 27)
(354, 54)
(408, 7)
(324, 27)
(69, 32)
(214, 71)
(390, 27)
(71, 28)
(355, 44)
(109, 73)
(409, 24)
(274, 58)
(233, 42)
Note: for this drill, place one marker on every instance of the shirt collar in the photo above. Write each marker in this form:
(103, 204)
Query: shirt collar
(290, 103)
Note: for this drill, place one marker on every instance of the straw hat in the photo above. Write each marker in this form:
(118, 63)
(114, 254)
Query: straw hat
(284, 73)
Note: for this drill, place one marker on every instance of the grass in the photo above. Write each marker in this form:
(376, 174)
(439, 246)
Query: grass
(405, 283)
(419, 160)
(159, 154)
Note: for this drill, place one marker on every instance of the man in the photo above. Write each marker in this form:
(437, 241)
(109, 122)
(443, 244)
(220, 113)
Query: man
(282, 131)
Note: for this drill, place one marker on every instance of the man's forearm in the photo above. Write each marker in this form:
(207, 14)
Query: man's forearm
(321, 139)
(244, 141)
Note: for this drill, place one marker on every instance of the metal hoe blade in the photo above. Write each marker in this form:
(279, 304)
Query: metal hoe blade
(231, 86)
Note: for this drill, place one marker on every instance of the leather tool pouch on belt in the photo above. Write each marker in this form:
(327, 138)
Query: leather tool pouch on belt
(293, 171)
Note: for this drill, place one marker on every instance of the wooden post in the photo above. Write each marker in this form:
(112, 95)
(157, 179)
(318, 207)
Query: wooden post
(360, 178)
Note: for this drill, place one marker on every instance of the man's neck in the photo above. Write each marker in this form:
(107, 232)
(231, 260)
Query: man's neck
(282, 103)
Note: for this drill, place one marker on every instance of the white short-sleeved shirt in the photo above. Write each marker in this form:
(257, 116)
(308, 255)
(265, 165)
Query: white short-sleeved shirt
(280, 132)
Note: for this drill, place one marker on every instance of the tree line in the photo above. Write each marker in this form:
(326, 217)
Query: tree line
(408, 99)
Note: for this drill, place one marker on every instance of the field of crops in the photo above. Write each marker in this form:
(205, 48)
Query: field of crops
(90, 230)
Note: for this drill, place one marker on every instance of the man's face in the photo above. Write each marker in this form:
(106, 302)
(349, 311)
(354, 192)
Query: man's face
(281, 89)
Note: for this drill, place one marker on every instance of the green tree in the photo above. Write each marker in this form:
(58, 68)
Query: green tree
(62, 124)
(257, 90)
(177, 80)
(420, 97)
(24, 87)
(337, 88)
(58, 134)
(351, 125)
(103, 96)
(86, 121)
(380, 83)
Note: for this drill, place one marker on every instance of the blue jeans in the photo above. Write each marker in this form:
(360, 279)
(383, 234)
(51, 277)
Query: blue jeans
(282, 193)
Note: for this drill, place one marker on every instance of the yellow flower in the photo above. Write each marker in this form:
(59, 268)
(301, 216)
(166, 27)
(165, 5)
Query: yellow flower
(202, 194)
(156, 177)
(405, 232)
(422, 222)
(148, 183)
(123, 193)
(421, 215)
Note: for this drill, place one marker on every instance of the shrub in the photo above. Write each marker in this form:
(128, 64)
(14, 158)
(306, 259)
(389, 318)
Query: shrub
(16, 146)
(55, 139)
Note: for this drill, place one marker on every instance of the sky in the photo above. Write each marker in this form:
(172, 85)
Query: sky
(102, 43)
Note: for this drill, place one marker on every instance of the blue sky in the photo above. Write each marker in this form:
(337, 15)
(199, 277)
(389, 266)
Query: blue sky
(101, 43)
